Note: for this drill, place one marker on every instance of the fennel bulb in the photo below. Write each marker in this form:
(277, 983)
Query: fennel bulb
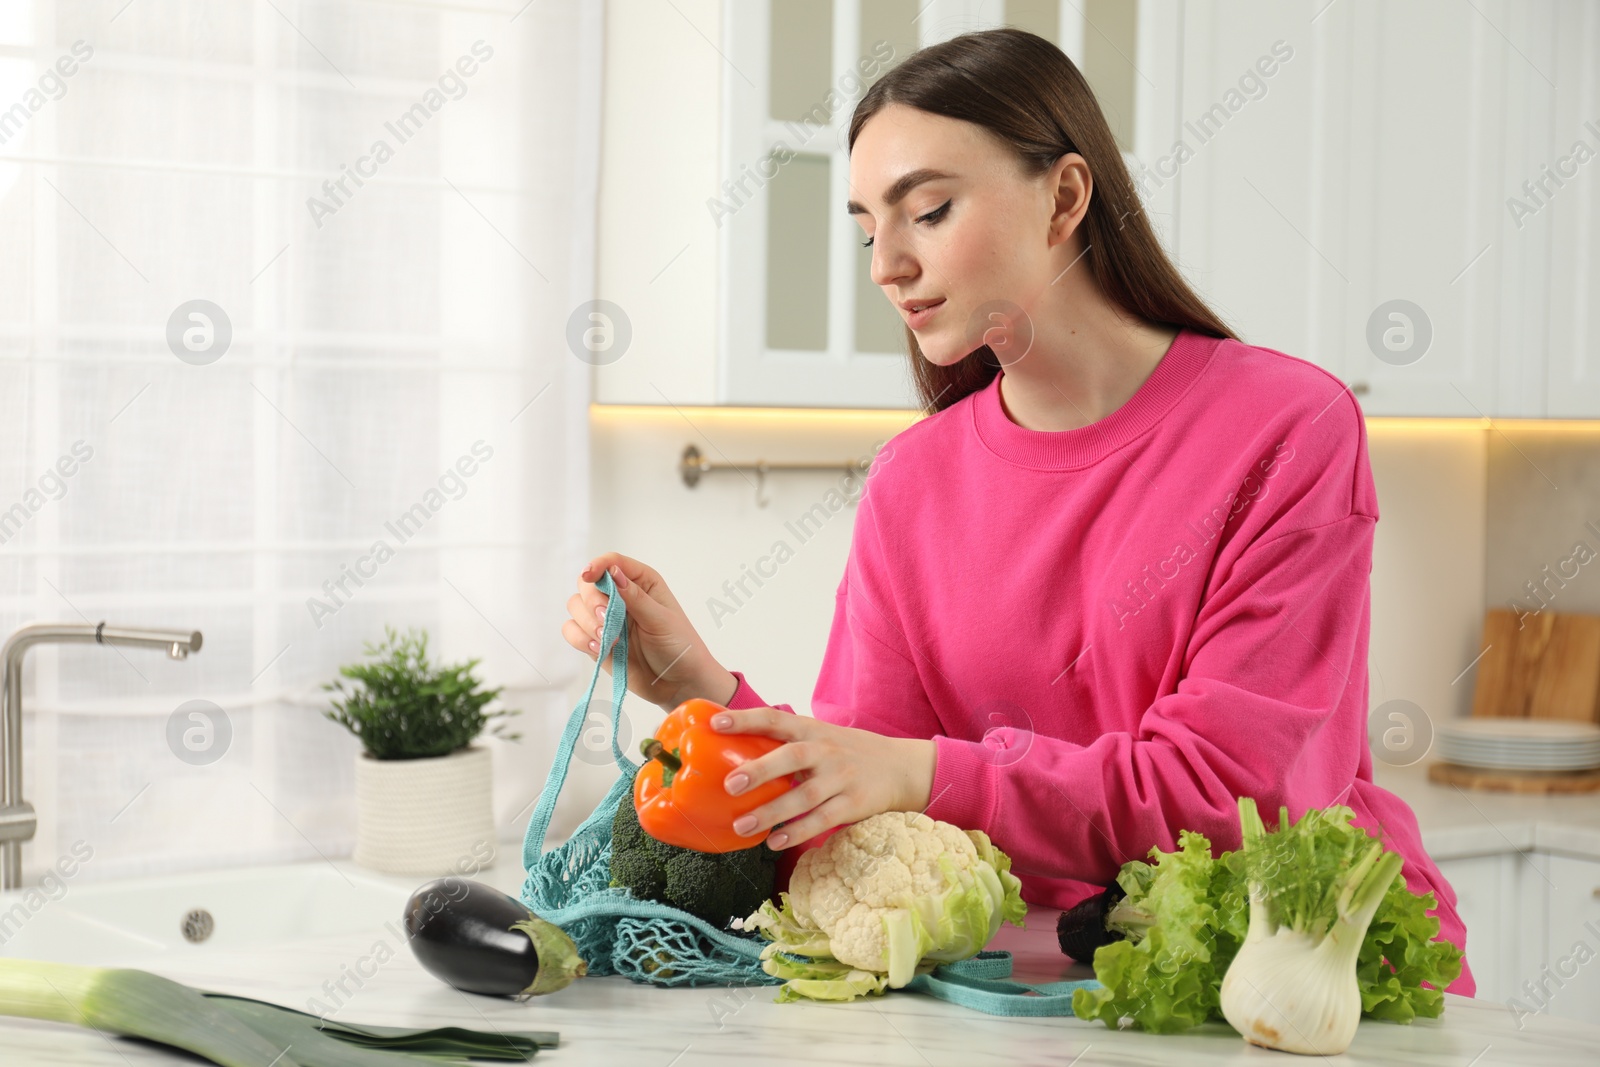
(1292, 985)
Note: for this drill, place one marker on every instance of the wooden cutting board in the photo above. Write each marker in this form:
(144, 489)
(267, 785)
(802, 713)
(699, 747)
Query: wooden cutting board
(1494, 780)
(1545, 667)
(1548, 667)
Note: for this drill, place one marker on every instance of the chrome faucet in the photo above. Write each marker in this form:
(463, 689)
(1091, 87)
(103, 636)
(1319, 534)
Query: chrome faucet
(17, 819)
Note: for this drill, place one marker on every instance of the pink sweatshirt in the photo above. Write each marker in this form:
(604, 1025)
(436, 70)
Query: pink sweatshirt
(1111, 633)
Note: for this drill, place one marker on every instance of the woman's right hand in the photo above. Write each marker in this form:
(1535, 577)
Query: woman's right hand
(668, 663)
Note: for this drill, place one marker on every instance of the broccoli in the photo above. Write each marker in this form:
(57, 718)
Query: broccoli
(713, 886)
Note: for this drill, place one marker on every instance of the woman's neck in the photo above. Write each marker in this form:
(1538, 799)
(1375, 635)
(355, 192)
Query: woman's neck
(1084, 363)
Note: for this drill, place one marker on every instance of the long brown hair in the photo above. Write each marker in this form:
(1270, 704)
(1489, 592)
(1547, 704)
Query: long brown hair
(1027, 92)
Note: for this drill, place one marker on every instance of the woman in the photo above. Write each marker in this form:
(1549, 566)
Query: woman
(1118, 577)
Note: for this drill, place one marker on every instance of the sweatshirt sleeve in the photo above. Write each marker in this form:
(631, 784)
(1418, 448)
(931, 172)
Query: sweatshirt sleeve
(746, 697)
(1265, 676)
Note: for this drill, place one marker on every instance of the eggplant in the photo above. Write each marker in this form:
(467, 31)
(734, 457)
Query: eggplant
(1082, 928)
(472, 936)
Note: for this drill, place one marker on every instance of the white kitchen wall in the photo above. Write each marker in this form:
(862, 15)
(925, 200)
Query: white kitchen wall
(1544, 488)
(1427, 561)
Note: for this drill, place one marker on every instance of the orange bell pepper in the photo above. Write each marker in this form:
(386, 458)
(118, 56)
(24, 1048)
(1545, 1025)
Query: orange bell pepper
(679, 794)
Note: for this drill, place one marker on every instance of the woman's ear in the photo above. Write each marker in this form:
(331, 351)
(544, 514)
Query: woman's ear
(1073, 186)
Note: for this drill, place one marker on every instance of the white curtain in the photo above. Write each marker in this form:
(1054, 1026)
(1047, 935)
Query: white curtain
(390, 205)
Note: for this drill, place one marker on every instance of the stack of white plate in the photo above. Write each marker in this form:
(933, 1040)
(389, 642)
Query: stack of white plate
(1521, 744)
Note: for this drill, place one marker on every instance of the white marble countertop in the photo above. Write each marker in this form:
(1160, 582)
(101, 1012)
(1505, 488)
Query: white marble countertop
(1473, 822)
(613, 1021)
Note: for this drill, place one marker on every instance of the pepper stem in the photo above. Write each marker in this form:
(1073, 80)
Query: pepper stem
(655, 750)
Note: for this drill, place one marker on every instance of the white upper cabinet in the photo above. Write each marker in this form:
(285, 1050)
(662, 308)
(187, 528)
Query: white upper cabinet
(1355, 206)
(1566, 199)
(801, 322)
(1403, 193)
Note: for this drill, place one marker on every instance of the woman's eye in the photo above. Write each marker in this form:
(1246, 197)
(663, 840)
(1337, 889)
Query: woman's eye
(932, 218)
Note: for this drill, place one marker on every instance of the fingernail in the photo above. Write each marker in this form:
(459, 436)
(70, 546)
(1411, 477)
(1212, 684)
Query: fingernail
(721, 722)
(622, 581)
(600, 612)
(594, 646)
(737, 782)
(744, 825)
(778, 840)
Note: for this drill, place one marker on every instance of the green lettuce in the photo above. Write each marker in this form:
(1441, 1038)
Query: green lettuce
(1183, 920)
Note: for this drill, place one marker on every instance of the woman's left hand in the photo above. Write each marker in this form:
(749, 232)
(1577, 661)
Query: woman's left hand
(846, 774)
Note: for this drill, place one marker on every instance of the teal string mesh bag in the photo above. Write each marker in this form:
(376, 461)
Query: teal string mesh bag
(570, 885)
(646, 941)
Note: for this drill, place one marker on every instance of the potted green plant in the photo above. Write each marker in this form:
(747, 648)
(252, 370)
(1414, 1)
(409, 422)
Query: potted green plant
(424, 791)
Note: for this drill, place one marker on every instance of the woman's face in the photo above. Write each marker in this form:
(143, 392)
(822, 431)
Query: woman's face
(951, 218)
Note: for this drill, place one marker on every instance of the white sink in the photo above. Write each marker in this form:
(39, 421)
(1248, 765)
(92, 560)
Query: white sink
(142, 921)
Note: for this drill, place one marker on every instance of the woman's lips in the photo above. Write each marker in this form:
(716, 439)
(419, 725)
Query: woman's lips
(917, 319)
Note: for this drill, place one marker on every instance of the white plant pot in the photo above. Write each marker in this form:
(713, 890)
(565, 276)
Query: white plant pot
(425, 816)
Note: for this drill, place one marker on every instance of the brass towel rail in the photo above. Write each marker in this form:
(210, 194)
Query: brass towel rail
(693, 466)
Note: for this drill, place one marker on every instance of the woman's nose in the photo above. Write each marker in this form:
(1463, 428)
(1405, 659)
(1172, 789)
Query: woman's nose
(890, 265)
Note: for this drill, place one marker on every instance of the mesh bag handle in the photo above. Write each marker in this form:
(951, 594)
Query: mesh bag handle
(984, 984)
(567, 885)
(613, 629)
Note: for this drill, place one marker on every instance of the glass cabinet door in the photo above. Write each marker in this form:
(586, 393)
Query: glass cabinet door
(803, 323)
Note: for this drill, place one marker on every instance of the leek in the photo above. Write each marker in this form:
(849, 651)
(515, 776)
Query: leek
(136, 1004)
(237, 1031)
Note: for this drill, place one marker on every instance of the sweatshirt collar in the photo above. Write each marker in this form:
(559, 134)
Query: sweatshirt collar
(1185, 359)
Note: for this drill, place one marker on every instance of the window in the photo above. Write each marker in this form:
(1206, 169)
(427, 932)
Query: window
(381, 325)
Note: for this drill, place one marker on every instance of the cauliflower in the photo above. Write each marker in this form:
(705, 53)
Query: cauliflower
(882, 901)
